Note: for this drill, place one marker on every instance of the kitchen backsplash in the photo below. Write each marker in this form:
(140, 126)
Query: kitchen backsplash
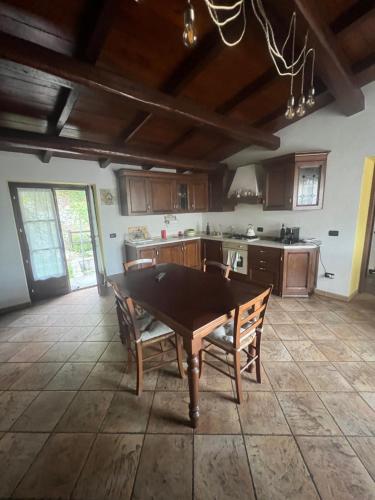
(155, 223)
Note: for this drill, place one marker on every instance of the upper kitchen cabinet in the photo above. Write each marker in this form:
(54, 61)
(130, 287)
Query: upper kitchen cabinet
(198, 195)
(143, 193)
(295, 181)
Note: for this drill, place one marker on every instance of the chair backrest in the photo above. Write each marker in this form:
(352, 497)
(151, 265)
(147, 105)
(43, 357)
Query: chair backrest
(250, 316)
(224, 269)
(137, 264)
(126, 314)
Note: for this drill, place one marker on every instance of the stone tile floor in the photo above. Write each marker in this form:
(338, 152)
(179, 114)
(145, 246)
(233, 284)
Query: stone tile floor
(70, 426)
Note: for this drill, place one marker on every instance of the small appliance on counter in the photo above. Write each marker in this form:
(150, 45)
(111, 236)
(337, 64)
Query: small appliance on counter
(289, 235)
(250, 231)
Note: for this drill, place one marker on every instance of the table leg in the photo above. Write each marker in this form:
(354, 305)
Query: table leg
(193, 349)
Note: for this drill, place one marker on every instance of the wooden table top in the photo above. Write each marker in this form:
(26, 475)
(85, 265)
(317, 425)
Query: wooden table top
(186, 299)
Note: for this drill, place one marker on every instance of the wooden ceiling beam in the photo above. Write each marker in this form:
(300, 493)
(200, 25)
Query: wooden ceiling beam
(70, 72)
(93, 44)
(191, 66)
(354, 16)
(330, 62)
(32, 141)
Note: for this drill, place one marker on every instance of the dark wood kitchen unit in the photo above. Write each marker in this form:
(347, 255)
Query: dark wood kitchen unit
(292, 271)
(295, 181)
(147, 193)
(186, 253)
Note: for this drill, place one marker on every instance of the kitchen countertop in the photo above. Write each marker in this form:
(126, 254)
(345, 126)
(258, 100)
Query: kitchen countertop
(258, 242)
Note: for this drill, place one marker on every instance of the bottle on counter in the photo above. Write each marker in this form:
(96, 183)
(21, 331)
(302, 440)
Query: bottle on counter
(208, 228)
(282, 232)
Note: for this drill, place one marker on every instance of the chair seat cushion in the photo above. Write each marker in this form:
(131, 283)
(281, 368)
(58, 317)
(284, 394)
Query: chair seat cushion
(154, 330)
(224, 334)
(144, 320)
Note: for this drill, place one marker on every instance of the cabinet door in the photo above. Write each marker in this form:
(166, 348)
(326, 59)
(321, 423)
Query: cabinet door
(146, 253)
(182, 197)
(279, 188)
(265, 277)
(169, 254)
(198, 194)
(137, 196)
(161, 195)
(309, 186)
(299, 272)
(212, 250)
(191, 251)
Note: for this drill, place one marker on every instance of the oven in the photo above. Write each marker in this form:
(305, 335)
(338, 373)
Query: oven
(235, 254)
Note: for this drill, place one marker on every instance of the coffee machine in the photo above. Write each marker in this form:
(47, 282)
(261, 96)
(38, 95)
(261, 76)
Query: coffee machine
(291, 236)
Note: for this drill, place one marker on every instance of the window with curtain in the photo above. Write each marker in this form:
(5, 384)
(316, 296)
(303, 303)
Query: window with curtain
(42, 233)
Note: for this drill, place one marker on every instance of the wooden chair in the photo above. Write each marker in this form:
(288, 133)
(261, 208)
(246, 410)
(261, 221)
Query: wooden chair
(137, 264)
(225, 270)
(139, 333)
(241, 334)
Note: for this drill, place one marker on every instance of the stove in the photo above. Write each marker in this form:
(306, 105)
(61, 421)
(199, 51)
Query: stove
(242, 237)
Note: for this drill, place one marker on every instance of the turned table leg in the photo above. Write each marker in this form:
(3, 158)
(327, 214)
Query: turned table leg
(193, 378)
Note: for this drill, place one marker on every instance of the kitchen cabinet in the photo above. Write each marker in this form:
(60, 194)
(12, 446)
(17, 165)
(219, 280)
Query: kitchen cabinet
(198, 195)
(212, 250)
(292, 271)
(295, 181)
(143, 193)
(265, 266)
(299, 271)
(185, 253)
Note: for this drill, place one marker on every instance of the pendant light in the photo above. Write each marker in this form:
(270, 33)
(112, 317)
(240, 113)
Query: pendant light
(190, 33)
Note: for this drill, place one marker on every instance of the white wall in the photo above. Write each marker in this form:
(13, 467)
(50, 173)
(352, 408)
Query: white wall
(350, 140)
(27, 168)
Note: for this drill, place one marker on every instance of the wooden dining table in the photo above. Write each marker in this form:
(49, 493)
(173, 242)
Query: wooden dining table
(190, 302)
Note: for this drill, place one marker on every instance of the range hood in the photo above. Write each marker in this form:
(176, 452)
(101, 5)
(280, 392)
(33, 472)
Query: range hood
(248, 178)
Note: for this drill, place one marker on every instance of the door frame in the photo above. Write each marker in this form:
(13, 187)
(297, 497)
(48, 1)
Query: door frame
(368, 238)
(22, 235)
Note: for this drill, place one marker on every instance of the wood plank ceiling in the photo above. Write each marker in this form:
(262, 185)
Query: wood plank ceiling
(105, 79)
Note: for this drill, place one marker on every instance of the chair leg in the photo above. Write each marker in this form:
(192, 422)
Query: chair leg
(201, 360)
(250, 355)
(139, 369)
(257, 361)
(130, 357)
(237, 374)
(180, 355)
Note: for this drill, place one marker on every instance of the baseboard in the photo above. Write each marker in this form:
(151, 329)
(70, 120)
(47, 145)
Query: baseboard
(6, 310)
(337, 296)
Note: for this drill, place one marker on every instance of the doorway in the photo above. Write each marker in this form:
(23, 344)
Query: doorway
(55, 229)
(367, 278)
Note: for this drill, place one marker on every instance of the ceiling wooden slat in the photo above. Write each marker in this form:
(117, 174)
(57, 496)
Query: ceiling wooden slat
(32, 141)
(70, 72)
(330, 62)
(93, 47)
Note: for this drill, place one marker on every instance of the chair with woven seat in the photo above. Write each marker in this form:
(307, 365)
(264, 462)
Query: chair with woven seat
(241, 334)
(217, 266)
(140, 332)
(138, 264)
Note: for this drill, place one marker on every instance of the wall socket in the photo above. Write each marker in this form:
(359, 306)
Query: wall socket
(113, 235)
(260, 229)
(333, 232)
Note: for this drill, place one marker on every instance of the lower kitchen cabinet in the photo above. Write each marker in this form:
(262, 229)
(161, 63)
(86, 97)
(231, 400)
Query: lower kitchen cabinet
(299, 272)
(212, 250)
(185, 253)
(292, 272)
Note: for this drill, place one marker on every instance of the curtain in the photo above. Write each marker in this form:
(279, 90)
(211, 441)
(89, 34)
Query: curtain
(42, 232)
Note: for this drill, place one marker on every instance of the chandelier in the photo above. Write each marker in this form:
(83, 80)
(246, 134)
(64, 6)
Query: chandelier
(286, 66)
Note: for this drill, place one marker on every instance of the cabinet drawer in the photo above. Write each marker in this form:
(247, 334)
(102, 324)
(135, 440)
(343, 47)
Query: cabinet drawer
(264, 257)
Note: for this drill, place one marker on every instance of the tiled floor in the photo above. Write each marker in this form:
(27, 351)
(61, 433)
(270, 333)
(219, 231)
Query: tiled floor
(70, 426)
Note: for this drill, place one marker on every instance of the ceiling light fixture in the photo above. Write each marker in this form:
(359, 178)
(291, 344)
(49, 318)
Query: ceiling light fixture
(222, 15)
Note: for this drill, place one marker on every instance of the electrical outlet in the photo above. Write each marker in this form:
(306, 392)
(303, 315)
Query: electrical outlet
(260, 229)
(113, 235)
(331, 276)
(333, 233)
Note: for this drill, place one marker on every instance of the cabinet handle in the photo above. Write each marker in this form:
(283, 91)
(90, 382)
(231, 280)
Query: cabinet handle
(262, 269)
(263, 261)
(290, 200)
(261, 251)
(148, 208)
(192, 206)
(157, 252)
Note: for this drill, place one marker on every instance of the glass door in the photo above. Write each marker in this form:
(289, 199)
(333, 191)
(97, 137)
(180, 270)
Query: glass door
(41, 240)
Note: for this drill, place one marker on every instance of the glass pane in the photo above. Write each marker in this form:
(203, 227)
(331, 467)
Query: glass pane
(182, 196)
(42, 234)
(308, 186)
